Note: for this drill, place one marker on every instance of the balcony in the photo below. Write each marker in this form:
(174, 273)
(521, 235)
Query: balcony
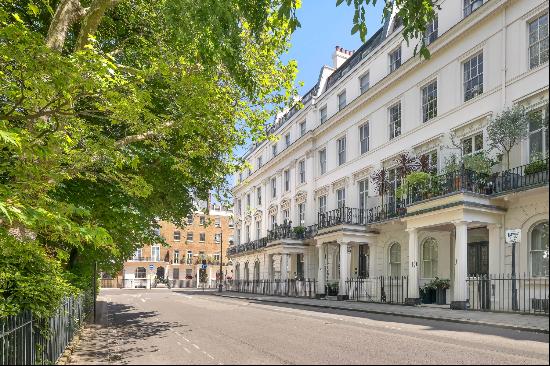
(341, 216)
(144, 259)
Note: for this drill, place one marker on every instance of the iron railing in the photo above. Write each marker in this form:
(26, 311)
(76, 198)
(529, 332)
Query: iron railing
(277, 287)
(29, 340)
(382, 289)
(339, 216)
(387, 211)
(507, 293)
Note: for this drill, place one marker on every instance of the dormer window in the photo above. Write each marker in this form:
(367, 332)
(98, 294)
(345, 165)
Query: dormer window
(431, 31)
(287, 140)
(397, 22)
(364, 83)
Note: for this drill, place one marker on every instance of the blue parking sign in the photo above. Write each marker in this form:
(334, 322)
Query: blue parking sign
(151, 267)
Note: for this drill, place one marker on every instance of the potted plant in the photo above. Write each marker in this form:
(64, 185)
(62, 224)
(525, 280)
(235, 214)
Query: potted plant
(441, 286)
(418, 183)
(428, 293)
(299, 231)
(538, 164)
(479, 165)
(332, 288)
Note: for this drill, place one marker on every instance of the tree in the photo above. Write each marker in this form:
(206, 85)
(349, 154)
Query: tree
(415, 15)
(507, 129)
(115, 114)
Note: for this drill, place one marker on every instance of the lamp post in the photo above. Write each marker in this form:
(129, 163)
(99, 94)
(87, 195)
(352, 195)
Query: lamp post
(221, 262)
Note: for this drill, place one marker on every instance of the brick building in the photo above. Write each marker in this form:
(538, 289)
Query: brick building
(198, 243)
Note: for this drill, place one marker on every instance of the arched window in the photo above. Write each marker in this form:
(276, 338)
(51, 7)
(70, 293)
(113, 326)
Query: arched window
(429, 258)
(140, 272)
(539, 249)
(395, 259)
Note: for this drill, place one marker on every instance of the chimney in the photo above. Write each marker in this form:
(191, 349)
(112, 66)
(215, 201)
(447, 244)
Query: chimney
(339, 56)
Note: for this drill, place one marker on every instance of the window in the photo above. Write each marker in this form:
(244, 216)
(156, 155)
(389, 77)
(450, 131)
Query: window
(137, 255)
(238, 236)
(176, 256)
(538, 134)
(341, 150)
(231, 224)
(217, 257)
(189, 236)
(323, 114)
(472, 144)
(364, 82)
(286, 215)
(323, 161)
(363, 193)
(539, 249)
(189, 219)
(287, 140)
(247, 233)
(431, 161)
(176, 274)
(248, 201)
(322, 204)
(364, 137)
(395, 59)
(302, 214)
(538, 41)
(274, 187)
(429, 101)
(286, 175)
(473, 77)
(258, 229)
(395, 120)
(274, 150)
(470, 6)
(155, 253)
(429, 258)
(189, 258)
(218, 221)
(259, 162)
(239, 206)
(217, 238)
(302, 170)
(273, 221)
(248, 172)
(341, 100)
(364, 254)
(140, 272)
(395, 260)
(302, 128)
(259, 196)
(203, 220)
(202, 237)
(431, 31)
(341, 197)
(177, 236)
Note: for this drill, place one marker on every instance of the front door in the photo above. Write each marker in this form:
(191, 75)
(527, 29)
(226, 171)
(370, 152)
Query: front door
(478, 267)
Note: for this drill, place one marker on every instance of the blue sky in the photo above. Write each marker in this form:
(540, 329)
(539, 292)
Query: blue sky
(324, 26)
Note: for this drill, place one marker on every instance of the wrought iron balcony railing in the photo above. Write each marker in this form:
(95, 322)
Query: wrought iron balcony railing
(342, 215)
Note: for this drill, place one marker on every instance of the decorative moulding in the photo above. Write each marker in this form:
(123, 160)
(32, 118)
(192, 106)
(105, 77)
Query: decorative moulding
(285, 204)
(323, 191)
(429, 145)
(258, 215)
(340, 183)
(362, 174)
(273, 209)
(300, 197)
(472, 126)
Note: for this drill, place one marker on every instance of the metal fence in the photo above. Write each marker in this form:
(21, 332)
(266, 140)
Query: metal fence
(507, 293)
(382, 289)
(290, 287)
(28, 340)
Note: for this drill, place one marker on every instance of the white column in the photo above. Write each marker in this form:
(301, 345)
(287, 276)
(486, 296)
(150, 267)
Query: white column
(461, 265)
(344, 269)
(270, 267)
(284, 266)
(494, 248)
(321, 274)
(413, 265)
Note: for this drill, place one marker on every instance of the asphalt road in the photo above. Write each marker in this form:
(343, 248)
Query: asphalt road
(163, 327)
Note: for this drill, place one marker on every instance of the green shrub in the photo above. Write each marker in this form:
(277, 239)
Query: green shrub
(536, 166)
(419, 181)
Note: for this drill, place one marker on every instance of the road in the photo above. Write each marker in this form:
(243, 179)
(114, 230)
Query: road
(189, 327)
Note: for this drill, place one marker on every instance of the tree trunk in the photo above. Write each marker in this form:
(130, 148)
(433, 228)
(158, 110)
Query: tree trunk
(67, 13)
(92, 19)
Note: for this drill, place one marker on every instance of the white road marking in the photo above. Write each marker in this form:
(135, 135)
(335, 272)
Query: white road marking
(187, 340)
(197, 347)
(142, 300)
(179, 344)
(186, 350)
(177, 332)
(209, 355)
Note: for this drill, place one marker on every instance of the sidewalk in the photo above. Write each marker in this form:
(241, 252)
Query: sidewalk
(523, 322)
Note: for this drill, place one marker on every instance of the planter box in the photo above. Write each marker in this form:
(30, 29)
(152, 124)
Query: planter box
(441, 296)
(428, 296)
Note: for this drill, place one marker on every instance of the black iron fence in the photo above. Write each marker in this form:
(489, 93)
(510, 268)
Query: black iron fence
(342, 215)
(382, 289)
(290, 287)
(28, 340)
(386, 211)
(507, 293)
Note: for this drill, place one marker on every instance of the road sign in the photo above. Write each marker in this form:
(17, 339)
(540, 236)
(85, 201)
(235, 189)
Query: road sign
(513, 236)
(203, 266)
(151, 267)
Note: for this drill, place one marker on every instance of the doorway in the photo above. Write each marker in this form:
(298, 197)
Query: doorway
(478, 267)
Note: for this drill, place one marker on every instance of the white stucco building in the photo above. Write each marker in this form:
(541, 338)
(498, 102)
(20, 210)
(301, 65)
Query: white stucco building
(377, 103)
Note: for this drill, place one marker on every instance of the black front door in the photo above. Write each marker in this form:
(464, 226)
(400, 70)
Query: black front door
(478, 267)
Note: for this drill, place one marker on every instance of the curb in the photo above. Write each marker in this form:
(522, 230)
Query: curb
(451, 320)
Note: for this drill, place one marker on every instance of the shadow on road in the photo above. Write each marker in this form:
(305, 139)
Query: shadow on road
(428, 324)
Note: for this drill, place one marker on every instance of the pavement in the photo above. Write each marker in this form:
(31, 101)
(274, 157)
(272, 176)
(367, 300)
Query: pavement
(524, 322)
(195, 327)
